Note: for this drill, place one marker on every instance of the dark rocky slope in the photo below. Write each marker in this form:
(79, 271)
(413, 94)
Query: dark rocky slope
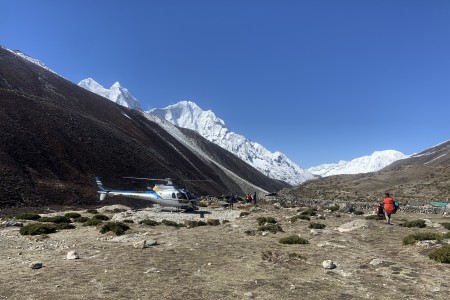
(55, 137)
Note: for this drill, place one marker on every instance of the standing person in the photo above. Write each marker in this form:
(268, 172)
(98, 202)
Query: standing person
(389, 207)
(232, 200)
(254, 198)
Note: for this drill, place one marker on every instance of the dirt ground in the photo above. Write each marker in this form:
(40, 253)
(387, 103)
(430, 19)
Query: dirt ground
(223, 262)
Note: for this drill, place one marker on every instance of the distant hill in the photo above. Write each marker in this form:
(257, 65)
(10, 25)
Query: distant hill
(420, 178)
(56, 136)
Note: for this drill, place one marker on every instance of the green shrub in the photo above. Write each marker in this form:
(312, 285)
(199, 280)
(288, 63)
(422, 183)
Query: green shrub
(149, 222)
(128, 221)
(446, 235)
(264, 220)
(358, 212)
(81, 219)
(37, 228)
(309, 212)
(101, 217)
(201, 223)
(72, 215)
(28, 216)
(274, 228)
(317, 225)
(225, 221)
(332, 208)
(446, 225)
(92, 222)
(118, 228)
(441, 255)
(92, 211)
(61, 226)
(56, 219)
(421, 236)
(244, 213)
(171, 223)
(415, 223)
(293, 239)
(301, 217)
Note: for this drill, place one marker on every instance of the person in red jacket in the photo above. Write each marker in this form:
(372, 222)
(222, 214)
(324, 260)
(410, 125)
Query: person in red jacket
(389, 207)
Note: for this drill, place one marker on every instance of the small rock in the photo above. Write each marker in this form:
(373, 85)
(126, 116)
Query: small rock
(328, 264)
(36, 265)
(145, 244)
(72, 255)
(376, 262)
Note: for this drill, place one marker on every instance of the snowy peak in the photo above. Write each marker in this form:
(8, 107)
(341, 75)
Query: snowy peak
(187, 114)
(276, 165)
(116, 93)
(372, 163)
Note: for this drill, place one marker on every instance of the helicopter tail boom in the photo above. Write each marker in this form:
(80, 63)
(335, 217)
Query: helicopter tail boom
(101, 189)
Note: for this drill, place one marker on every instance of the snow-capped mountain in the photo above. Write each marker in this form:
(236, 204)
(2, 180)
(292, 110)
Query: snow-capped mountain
(115, 93)
(275, 165)
(371, 163)
(31, 59)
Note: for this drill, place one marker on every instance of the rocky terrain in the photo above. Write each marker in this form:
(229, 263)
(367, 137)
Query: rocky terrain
(351, 258)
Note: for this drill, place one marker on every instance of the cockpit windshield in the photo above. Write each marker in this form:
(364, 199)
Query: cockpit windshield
(181, 196)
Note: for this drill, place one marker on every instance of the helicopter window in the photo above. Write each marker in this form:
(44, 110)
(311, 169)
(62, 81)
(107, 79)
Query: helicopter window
(181, 196)
(173, 196)
(190, 195)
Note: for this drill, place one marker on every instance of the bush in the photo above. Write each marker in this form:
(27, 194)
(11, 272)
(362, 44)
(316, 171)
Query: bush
(446, 225)
(171, 223)
(441, 255)
(274, 228)
(118, 228)
(92, 211)
(149, 222)
(244, 213)
(225, 221)
(309, 212)
(37, 228)
(358, 212)
(250, 232)
(213, 222)
(293, 239)
(81, 219)
(446, 235)
(128, 221)
(201, 223)
(61, 226)
(72, 215)
(92, 222)
(100, 217)
(317, 225)
(56, 219)
(264, 220)
(301, 217)
(332, 208)
(28, 216)
(415, 223)
(421, 236)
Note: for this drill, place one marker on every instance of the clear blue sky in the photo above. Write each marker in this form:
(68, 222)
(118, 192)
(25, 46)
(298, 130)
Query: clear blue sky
(319, 81)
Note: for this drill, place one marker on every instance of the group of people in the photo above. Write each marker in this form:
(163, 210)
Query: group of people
(249, 198)
(386, 208)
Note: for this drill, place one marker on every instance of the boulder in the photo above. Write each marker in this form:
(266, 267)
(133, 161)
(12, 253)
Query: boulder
(355, 224)
(72, 255)
(145, 244)
(328, 264)
(36, 265)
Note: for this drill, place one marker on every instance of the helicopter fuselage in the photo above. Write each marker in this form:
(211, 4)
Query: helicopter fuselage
(164, 195)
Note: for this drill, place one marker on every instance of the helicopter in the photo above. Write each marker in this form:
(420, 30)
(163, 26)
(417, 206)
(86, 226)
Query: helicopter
(163, 194)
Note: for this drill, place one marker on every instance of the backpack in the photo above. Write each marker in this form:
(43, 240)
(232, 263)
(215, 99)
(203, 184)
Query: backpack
(396, 205)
